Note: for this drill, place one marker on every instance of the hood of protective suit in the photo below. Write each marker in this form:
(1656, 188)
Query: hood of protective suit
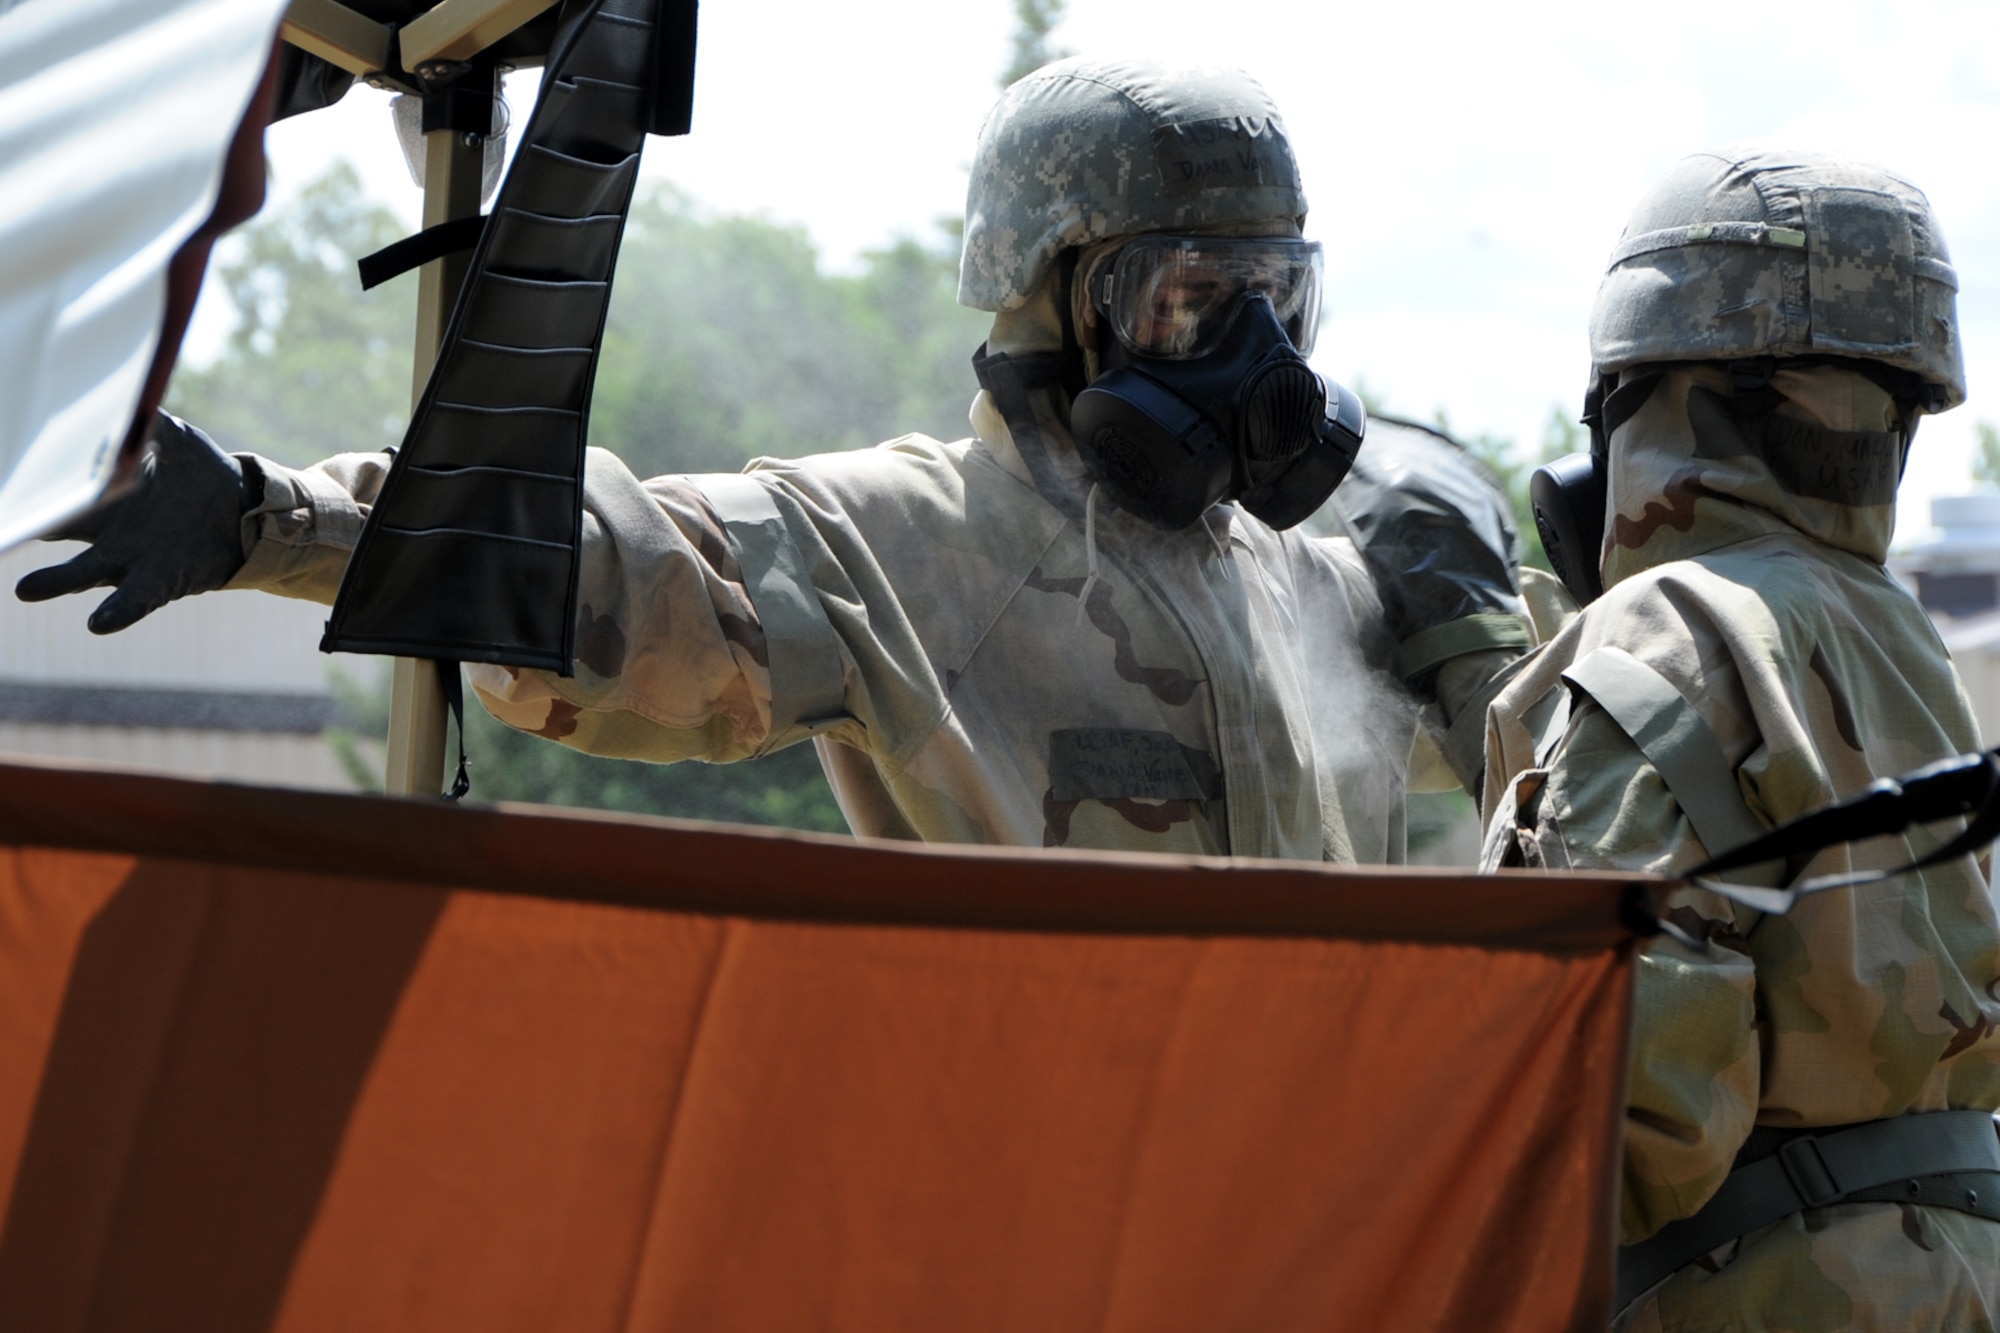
(1032, 330)
(1703, 465)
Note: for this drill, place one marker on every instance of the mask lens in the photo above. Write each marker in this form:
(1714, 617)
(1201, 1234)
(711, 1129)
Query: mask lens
(1175, 297)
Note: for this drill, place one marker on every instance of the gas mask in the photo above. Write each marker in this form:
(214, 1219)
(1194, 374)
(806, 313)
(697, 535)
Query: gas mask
(1206, 395)
(1568, 494)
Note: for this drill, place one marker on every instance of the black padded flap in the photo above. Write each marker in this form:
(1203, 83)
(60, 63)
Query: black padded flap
(562, 186)
(503, 502)
(461, 596)
(470, 552)
(527, 439)
(516, 377)
(528, 245)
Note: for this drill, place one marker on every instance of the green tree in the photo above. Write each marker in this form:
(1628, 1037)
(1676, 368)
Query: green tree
(1560, 435)
(726, 340)
(1034, 20)
(314, 365)
(1986, 464)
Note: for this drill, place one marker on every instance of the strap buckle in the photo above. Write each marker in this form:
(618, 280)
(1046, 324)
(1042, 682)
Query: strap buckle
(1806, 1167)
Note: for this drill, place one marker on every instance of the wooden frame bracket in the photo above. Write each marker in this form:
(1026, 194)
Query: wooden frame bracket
(461, 29)
(338, 35)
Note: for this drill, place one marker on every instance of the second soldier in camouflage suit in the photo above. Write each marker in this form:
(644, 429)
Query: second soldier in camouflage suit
(983, 647)
(1769, 330)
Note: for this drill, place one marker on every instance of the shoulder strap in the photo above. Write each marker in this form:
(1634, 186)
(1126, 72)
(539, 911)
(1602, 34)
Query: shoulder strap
(1676, 741)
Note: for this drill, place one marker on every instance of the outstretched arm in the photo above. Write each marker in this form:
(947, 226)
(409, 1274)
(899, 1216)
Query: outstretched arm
(672, 660)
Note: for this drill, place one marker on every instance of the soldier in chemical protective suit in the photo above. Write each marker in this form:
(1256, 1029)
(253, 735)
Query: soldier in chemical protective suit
(1769, 331)
(1090, 625)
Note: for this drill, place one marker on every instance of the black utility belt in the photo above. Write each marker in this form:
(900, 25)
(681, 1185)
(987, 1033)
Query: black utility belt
(1943, 1159)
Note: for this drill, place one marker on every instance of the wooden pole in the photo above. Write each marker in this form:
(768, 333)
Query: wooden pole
(453, 162)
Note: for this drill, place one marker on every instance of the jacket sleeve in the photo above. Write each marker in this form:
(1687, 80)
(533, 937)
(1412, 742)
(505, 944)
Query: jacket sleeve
(1434, 528)
(673, 659)
(1598, 803)
(297, 539)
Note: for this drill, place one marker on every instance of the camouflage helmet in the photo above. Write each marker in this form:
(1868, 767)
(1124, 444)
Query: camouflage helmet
(1738, 255)
(1084, 150)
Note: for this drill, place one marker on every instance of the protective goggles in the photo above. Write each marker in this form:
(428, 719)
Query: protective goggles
(1174, 297)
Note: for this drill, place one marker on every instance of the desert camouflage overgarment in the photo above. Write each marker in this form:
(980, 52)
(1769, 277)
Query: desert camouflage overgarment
(933, 624)
(1756, 590)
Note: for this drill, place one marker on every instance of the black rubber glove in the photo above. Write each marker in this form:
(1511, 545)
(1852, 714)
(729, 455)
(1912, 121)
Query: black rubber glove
(1434, 529)
(178, 531)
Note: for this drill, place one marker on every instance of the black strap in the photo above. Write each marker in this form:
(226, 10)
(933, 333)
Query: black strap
(453, 683)
(445, 238)
(1974, 1192)
(1963, 786)
(673, 68)
(1906, 1159)
(1608, 404)
(1622, 403)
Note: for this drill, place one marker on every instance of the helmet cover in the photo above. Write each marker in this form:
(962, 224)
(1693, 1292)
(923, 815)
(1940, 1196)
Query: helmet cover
(1084, 150)
(1782, 254)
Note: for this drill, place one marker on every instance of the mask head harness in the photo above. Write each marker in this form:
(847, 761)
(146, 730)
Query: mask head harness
(1205, 394)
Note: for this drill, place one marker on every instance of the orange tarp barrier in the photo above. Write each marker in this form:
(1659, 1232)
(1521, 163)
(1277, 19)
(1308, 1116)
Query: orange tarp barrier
(280, 1060)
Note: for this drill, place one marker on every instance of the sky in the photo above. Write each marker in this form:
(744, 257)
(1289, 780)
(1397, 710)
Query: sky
(1469, 165)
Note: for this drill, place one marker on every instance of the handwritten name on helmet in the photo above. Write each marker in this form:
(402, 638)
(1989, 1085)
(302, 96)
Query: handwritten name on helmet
(1226, 153)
